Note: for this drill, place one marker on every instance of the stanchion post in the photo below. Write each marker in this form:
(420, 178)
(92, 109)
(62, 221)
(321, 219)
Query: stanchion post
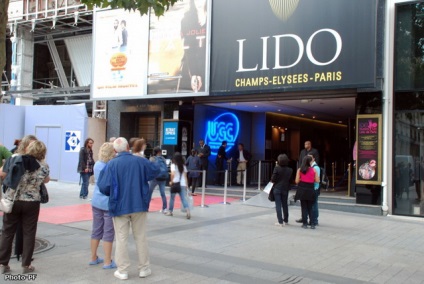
(259, 175)
(333, 173)
(203, 189)
(349, 179)
(244, 185)
(225, 189)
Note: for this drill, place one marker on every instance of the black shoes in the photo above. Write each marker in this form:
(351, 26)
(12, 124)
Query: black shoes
(299, 220)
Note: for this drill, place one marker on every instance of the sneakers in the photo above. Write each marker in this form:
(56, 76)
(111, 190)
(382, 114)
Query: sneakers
(145, 273)
(279, 224)
(313, 227)
(304, 226)
(188, 214)
(110, 266)
(119, 275)
(169, 213)
(164, 211)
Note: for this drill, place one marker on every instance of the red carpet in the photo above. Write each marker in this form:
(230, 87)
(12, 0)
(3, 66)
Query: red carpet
(82, 212)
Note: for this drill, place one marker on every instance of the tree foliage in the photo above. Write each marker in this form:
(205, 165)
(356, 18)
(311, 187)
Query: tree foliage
(143, 6)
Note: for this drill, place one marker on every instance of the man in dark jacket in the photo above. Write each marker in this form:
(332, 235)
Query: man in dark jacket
(309, 150)
(221, 158)
(204, 151)
(125, 180)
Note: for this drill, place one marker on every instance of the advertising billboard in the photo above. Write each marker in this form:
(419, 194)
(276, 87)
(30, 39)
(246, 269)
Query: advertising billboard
(178, 50)
(369, 145)
(120, 46)
(292, 45)
(170, 133)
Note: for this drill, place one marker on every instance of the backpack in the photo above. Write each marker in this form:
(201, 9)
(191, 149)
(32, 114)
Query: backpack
(163, 174)
(323, 179)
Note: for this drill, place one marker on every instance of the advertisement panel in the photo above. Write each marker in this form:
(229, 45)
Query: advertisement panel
(170, 133)
(178, 50)
(292, 45)
(120, 45)
(369, 143)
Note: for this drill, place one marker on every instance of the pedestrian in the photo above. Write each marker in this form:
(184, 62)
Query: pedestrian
(160, 182)
(178, 175)
(85, 166)
(204, 153)
(125, 180)
(4, 154)
(102, 221)
(281, 178)
(243, 157)
(305, 178)
(309, 150)
(25, 175)
(221, 158)
(193, 167)
(315, 211)
(21, 150)
(306, 151)
(139, 147)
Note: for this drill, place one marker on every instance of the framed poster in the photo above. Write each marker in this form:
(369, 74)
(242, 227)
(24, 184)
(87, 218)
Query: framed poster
(170, 133)
(369, 145)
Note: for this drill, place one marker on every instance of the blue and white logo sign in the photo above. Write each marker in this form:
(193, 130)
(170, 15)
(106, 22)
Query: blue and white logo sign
(73, 141)
(225, 127)
(170, 133)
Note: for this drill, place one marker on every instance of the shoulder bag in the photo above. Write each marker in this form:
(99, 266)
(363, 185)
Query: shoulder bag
(44, 195)
(176, 186)
(6, 205)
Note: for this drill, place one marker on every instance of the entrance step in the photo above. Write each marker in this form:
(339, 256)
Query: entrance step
(327, 197)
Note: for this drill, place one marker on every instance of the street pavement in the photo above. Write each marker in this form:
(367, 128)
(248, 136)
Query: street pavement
(233, 243)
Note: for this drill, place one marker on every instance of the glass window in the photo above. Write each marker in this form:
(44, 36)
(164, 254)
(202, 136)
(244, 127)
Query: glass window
(408, 125)
(409, 46)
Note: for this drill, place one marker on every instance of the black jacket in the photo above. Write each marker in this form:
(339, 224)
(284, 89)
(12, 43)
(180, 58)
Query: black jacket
(281, 178)
(16, 166)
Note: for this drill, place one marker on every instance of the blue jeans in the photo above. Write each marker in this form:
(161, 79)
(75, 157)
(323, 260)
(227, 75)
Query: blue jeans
(85, 177)
(183, 195)
(315, 212)
(281, 201)
(152, 185)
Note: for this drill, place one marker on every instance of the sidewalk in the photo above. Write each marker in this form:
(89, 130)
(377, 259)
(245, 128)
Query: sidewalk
(235, 243)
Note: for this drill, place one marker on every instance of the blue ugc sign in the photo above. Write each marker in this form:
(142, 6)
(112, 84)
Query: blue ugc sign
(170, 133)
(225, 127)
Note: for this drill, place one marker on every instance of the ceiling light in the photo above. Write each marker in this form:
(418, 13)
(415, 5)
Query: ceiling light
(305, 101)
(302, 114)
(314, 117)
(278, 109)
(256, 106)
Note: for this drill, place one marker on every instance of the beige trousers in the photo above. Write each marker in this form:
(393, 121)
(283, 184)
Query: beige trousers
(240, 172)
(138, 222)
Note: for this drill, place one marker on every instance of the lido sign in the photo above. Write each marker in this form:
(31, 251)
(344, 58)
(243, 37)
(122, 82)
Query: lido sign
(224, 127)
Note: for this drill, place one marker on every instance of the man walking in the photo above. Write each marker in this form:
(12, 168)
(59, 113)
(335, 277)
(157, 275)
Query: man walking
(125, 180)
(243, 157)
(159, 181)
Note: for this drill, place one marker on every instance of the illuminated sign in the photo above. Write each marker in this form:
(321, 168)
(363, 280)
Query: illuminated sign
(170, 133)
(225, 127)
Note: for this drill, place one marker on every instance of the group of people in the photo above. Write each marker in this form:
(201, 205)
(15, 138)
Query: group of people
(22, 174)
(124, 183)
(308, 185)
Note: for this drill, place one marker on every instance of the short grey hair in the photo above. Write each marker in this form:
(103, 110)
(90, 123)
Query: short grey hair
(120, 145)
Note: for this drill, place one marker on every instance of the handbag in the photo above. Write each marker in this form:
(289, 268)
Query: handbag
(6, 205)
(176, 186)
(44, 195)
(271, 196)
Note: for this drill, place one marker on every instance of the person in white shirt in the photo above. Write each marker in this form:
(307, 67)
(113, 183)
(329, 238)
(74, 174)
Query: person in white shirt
(243, 158)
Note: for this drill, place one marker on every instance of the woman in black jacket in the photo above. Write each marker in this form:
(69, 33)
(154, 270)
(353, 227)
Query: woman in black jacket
(281, 179)
(85, 166)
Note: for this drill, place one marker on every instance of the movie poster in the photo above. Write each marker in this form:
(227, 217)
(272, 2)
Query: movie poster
(178, 50)
(368, 137)
(120, 46)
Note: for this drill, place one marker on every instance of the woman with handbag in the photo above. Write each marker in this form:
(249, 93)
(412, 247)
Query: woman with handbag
(305, 178)
(24, 190)
(281, 179)
(178, 183)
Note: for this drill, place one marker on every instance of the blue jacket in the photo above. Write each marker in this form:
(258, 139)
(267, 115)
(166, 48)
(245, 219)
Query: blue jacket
(99, 200)
(125, 180)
